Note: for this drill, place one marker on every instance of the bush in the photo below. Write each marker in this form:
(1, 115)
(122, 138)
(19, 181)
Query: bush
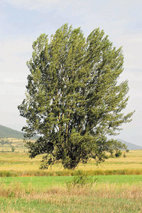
(81, 180)
(118, 154)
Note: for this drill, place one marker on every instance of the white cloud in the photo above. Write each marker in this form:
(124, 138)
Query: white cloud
(38, 4)
(13, 57)
(132, 47)
(35, 4)
(132, 131)
(13, 73)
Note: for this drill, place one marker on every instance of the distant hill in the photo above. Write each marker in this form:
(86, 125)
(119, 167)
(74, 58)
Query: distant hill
(130, 146)
(12, 140)
(6, 132)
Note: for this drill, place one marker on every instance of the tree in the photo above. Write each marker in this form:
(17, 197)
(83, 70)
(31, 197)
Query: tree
(73, 101)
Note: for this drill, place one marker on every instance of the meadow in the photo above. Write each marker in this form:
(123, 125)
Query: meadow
(113, 186)
(58, 194)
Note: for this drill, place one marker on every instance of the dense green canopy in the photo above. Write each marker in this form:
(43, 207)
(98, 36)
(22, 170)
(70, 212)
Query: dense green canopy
(73, 100)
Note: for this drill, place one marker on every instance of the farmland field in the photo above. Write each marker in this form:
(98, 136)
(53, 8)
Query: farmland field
(12, 163)
(26, 188)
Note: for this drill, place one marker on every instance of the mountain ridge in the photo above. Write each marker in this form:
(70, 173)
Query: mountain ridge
(130, 146)
(6, 132)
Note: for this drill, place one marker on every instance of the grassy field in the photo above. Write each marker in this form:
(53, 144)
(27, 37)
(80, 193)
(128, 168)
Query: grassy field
(25, 188)
(122, 194)
(19, 164)
(13, 145)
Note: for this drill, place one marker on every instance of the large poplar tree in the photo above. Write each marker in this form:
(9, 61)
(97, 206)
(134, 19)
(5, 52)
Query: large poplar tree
(74, 102)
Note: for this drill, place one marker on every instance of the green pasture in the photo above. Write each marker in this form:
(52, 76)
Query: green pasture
(41, 182)
(115, 193)
(76, 205)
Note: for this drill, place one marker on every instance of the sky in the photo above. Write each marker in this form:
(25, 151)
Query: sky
(22, 21)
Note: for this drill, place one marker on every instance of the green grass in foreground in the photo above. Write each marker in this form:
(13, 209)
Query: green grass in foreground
(49, 181)
(28, 189)
(74, 205)
(118, 194)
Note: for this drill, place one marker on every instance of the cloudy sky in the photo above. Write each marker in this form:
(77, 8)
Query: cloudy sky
(22, 21)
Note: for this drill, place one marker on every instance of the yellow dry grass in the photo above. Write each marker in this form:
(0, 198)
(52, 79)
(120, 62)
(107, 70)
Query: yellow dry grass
(13, 145)
(21, 162)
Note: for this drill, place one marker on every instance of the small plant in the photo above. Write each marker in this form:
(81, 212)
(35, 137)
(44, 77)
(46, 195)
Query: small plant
(81, 180)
